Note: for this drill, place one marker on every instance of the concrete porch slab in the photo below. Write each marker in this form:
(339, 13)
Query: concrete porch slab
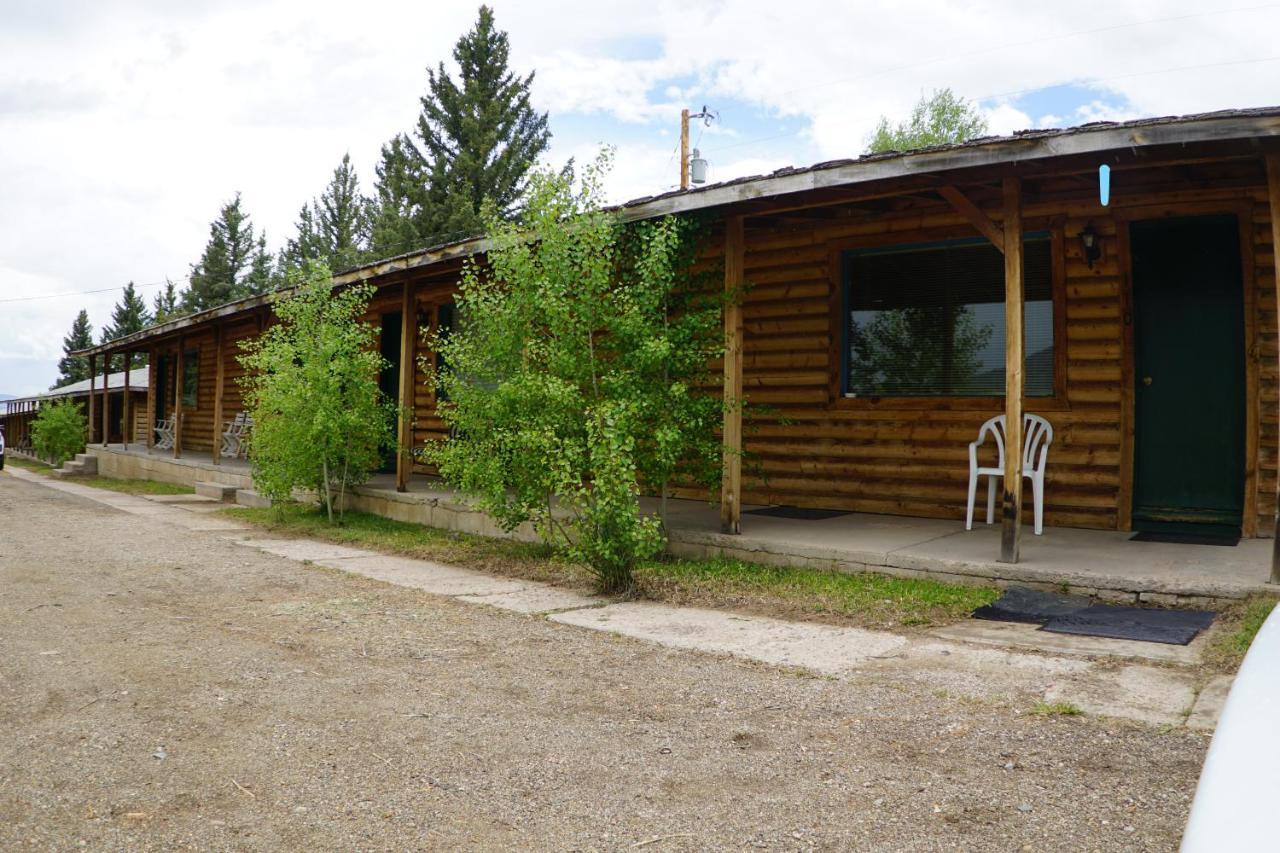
(536, 599)
(1156, 695)
(1208, 707)
(820, 648)
(429, 577)
(1023, 636)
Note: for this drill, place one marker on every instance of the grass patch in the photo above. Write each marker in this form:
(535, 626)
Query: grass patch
(27, 464)
(864, 599)
(1238, 624)
(1056, 709)
(135, 487)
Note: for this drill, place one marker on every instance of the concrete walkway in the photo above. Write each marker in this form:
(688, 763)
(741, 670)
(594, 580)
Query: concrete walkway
(1147, 682)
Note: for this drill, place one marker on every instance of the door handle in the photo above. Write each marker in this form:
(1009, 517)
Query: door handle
(1146, 380)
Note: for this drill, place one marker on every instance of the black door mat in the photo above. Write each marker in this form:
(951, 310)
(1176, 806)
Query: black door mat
(1151, 625)
(1022, 604)
(798, 512)
(1184, 538)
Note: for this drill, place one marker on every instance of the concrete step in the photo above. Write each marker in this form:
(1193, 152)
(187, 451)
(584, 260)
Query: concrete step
(87, 462)
(250, 498)
(217, 491)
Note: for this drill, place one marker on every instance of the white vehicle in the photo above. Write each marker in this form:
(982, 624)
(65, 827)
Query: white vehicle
(1239, 788)
(1, 449)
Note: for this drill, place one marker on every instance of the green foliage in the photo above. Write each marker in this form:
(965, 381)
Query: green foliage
(74, 368)
(333, 229)
(130, 315)
(573, 373)
(235, 262)
(319, 420)
(887, 356)
(936, 119)
(165, 306)
(58, 431)
(476, 140)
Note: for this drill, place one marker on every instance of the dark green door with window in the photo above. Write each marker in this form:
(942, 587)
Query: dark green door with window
(1189, 395)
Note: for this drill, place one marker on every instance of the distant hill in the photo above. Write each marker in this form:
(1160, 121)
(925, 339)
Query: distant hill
(8, 396)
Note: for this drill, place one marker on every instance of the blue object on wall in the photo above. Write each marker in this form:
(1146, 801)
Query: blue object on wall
(1104, 184)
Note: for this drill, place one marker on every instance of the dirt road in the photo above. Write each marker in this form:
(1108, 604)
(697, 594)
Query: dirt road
(165, 688)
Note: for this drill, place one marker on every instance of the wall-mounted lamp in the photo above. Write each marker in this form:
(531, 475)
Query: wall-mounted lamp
(1090, 244)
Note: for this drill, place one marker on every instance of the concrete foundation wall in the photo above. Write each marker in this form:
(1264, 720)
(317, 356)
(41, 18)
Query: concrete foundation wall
(183, 472)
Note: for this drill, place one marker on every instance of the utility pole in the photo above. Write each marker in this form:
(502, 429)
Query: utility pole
(684, 149)
(684, 141)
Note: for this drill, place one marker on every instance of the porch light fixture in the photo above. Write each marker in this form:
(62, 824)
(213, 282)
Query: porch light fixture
(1089, 243)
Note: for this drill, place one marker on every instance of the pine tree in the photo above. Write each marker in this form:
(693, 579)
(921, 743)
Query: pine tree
(165, 306)
(130, 315)
(400, 194)
(475, 142)
(75, 368)
(235, 262)
(333, 228)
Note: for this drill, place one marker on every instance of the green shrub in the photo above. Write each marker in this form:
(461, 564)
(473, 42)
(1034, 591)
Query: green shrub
(58, 431)
(319, 419)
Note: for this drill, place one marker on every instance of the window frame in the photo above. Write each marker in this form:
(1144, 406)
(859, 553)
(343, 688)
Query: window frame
(838, 252)
(190, 361)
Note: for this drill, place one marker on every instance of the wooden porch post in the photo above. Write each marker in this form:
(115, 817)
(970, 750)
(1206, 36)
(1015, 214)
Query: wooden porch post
(177, 403)
(93, 421)
(219, 374)
(106, 399)
(408, 350)
(1011, 516)
(731, 484)
(151, 398)
(126, 422)
(1273, 196)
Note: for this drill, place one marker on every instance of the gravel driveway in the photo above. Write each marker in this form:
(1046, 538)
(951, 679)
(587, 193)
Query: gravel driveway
(165, 688)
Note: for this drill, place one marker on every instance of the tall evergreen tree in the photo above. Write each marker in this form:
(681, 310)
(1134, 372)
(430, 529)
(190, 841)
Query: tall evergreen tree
(476, 140)
(334, 228)
(235, 262)
(398, 200)
(130, 315)
(165, 306)
(73, 368)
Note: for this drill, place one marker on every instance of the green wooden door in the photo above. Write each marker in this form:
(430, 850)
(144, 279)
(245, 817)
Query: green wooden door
(1189, 395)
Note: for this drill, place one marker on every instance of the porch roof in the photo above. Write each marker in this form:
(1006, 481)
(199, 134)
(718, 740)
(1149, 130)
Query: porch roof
(1020, 147)
(138, 380)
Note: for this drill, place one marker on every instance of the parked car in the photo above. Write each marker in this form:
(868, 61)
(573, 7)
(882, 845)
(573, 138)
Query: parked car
(1235, 803)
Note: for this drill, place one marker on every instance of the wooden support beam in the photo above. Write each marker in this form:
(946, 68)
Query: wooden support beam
(731, 485)
(126, 420)
(408, 352)
(106, 399)
(177, 403)
(974, 214)
(1011, 515)
(93, 401)
(219, 378)
(151, 398)
(1273, 199)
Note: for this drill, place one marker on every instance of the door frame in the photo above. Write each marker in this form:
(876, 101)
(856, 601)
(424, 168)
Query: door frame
(1243, 211)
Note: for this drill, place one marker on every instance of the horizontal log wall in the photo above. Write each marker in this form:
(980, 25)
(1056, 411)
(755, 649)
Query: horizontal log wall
(911, 458)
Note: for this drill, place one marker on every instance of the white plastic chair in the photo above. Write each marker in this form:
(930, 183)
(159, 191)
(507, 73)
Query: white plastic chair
(1037, 435)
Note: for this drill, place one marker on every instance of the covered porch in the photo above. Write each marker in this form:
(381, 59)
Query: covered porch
(1103, 563)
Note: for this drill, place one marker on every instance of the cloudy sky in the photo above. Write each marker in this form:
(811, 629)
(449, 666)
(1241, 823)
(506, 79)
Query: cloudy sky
(125, 125)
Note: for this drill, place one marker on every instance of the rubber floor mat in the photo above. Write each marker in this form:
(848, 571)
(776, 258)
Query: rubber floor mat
(801, 513)
(1151, 625)
(1023, 604)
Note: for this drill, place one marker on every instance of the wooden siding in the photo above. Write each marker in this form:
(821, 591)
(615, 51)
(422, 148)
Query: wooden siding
(810, 446)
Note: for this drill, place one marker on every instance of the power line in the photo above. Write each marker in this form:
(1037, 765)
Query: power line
(88, 292)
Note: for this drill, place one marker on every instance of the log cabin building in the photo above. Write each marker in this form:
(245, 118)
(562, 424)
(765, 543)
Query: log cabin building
(126, 410)
(895, 302)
